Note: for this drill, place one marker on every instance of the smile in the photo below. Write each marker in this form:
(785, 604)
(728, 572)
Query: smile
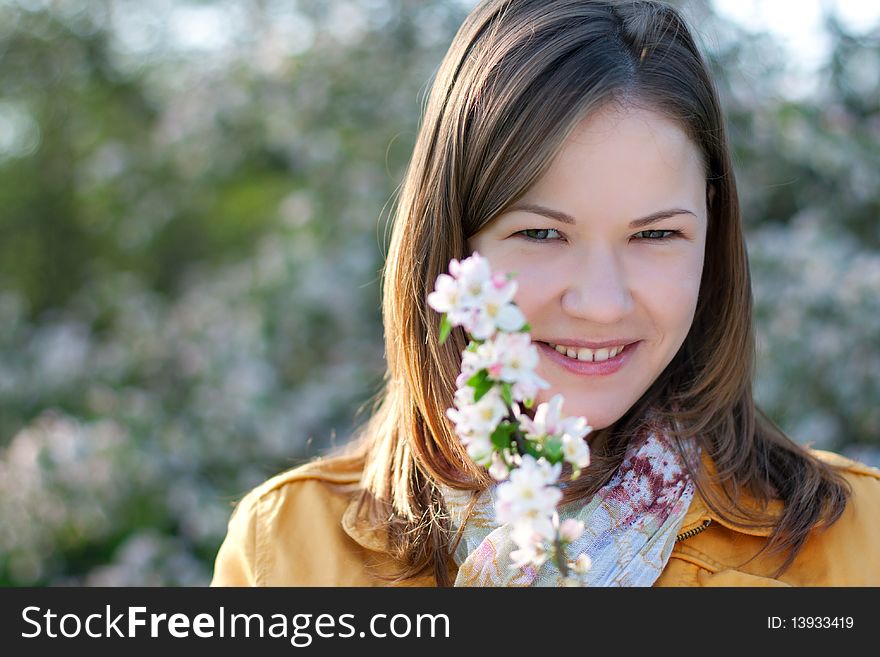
(581, 360)
(583, 353)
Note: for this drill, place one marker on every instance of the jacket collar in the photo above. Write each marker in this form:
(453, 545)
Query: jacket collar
(367, 535)
(698, 512)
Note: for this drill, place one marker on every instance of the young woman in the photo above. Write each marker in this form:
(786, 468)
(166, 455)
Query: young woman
(579, 144)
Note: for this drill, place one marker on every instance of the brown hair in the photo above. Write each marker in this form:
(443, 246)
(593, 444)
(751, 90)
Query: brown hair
(517, 79)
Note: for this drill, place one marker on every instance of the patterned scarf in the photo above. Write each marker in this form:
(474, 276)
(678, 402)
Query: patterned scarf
(631, 524)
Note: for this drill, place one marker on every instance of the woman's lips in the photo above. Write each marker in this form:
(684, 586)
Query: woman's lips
(586, 367)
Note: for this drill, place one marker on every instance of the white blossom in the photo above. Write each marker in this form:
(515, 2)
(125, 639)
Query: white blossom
(475, 421)
(473, 275)
(571, 529)
(530, 495)
(476, 299)
(531, 550)
(447, 298)
(499, 470)
(575, 451)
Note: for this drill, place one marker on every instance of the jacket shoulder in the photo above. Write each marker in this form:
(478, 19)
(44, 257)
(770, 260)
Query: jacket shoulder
(288, 531)
(845, 465)
(327, 470)
(845, 553)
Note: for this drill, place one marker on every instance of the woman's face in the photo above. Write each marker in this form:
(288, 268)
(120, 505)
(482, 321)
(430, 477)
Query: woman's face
(590, 272)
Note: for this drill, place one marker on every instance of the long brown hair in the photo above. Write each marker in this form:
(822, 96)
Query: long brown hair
(518, 78)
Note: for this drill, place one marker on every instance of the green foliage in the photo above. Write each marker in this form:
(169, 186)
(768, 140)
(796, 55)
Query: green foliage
(552, 449)
(445, 328)
(501, 437)
(507, 393)
(481, 383)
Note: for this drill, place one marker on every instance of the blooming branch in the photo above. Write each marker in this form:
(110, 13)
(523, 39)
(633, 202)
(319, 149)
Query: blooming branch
(525, 454)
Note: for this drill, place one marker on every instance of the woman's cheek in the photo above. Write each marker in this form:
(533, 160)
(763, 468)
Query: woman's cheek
(685, 283)
(535, 286)
(679, 275)
(670, 293)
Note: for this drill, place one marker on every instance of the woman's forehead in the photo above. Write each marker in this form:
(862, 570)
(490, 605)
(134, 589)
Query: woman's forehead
(628, 161)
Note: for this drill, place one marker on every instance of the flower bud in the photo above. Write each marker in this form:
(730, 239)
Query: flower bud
(582, 564)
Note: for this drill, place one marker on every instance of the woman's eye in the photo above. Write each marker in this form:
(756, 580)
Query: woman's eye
(539, 234)
(549, 234)
(657, 235)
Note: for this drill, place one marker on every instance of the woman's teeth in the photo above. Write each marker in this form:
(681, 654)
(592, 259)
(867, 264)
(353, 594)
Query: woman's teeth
(583, 353)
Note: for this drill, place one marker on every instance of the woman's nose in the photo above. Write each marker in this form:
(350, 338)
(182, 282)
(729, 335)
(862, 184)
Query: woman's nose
(596, 287)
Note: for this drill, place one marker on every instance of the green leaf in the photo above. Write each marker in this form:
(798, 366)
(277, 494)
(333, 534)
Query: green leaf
(477, 379)
(553, 449)
(526, 328)
(529, 403)
(501, 436)
(533, 448)
(481, 389)
(507, 394)
(445, 328)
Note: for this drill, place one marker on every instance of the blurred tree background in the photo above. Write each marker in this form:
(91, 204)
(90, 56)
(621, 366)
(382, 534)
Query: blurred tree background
(193, 205)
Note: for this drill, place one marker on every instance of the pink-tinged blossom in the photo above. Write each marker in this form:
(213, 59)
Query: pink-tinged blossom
(473, 276)
(509, 358)
(571, 529)
(549, 422)
(474, 298)
(531, 550)
(499, 470)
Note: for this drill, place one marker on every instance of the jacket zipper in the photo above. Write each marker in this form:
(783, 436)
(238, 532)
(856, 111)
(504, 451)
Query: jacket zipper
(690, 533)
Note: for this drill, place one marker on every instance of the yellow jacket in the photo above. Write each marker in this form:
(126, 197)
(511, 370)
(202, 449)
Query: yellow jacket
(300, 528)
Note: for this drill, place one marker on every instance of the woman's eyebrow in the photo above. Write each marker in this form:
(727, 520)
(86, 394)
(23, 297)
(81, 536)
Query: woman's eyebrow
(652, 218)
